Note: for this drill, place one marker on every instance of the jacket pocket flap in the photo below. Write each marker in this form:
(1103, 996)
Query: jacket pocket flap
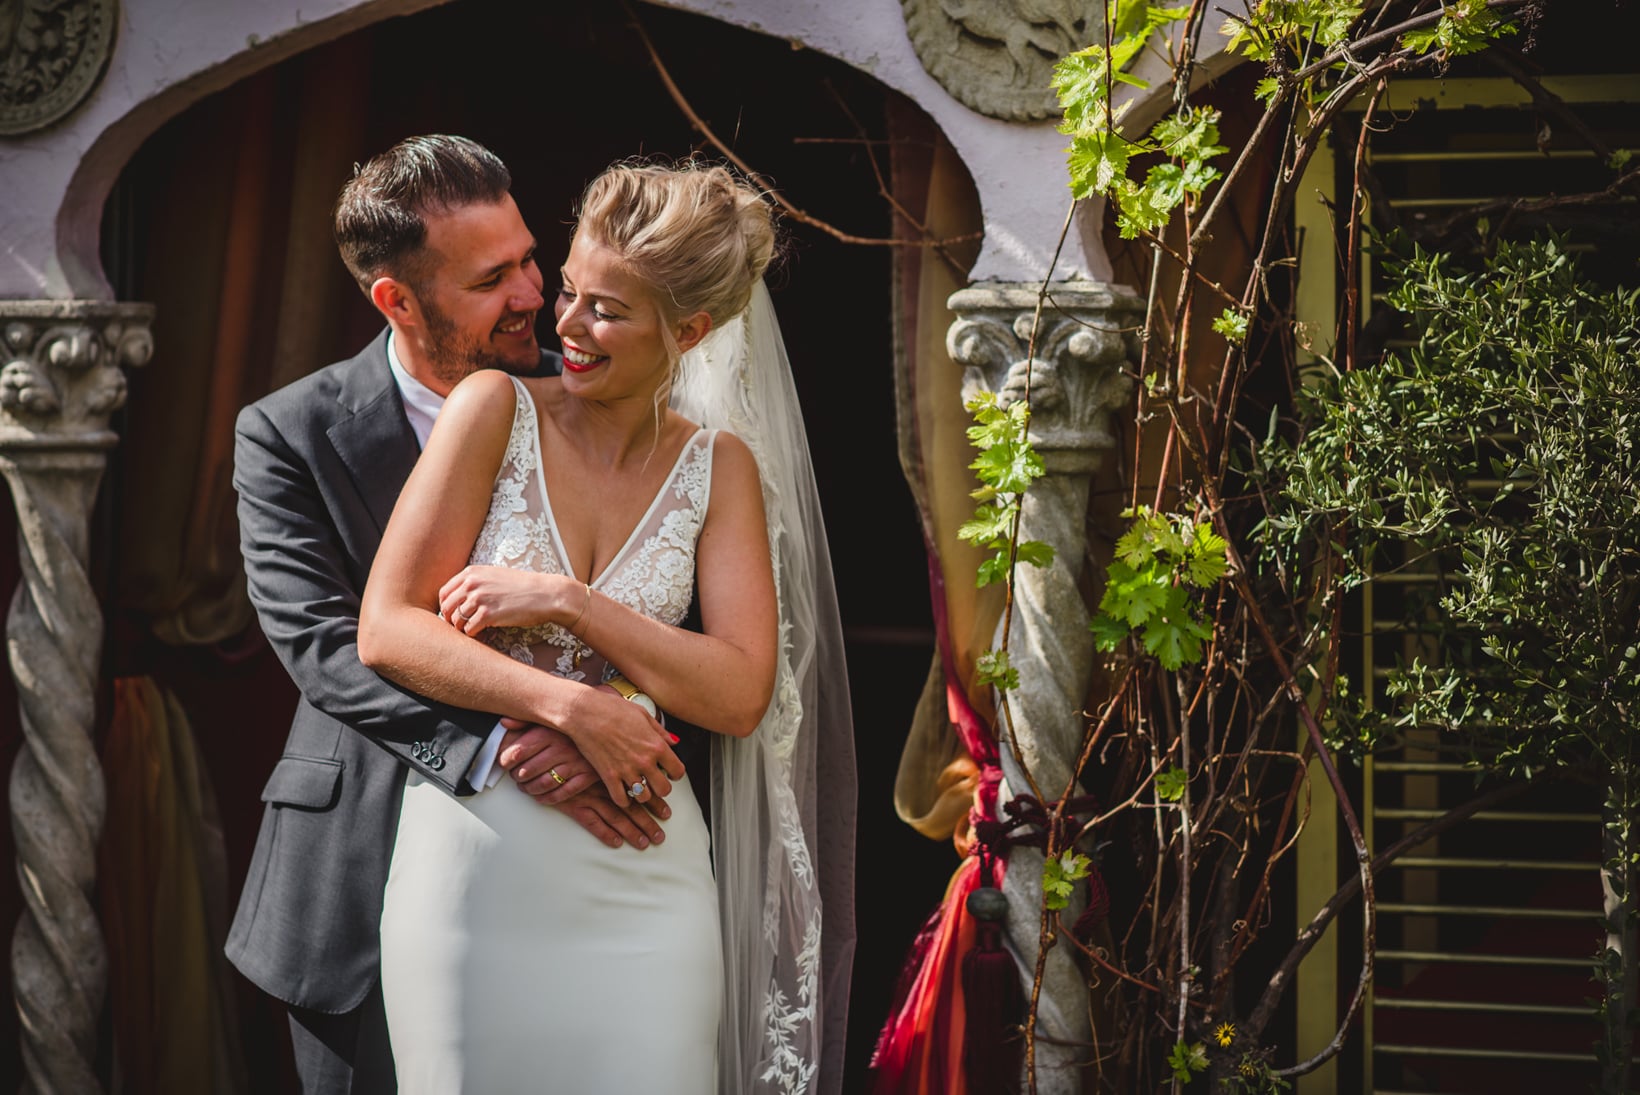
(304, 781)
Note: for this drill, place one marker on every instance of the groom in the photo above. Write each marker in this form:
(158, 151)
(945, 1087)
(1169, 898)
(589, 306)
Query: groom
(430, 232)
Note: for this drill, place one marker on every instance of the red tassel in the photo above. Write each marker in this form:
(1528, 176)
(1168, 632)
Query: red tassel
(990, 985)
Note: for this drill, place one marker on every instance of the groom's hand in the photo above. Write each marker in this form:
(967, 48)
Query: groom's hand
(612, 824)
(548, 767)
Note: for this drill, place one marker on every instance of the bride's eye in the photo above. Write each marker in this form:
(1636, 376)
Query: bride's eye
(566, 295)
(599, 313)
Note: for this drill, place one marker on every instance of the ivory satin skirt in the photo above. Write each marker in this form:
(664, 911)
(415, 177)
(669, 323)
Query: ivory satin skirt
(521, 955)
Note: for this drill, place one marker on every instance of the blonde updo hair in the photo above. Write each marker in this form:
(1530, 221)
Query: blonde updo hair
(697, 233)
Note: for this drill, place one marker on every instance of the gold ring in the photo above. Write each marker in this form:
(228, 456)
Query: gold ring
(556, 778)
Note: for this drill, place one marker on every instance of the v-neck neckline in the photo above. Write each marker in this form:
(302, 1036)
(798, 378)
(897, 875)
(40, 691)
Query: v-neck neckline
(552, 518)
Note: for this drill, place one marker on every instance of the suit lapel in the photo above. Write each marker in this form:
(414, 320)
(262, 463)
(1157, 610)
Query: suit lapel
(373, 437)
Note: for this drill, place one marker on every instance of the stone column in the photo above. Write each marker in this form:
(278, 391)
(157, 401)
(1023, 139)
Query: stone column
(1076, 381)
(60, 381)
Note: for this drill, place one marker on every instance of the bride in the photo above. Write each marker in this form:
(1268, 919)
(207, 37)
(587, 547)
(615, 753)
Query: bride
(549, 543)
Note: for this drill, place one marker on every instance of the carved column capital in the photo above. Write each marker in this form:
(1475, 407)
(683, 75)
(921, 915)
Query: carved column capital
(60, 370)
(60, 379)
(1075, 374)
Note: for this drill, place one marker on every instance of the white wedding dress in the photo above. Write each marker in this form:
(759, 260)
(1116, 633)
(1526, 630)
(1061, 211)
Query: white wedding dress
(519, 954)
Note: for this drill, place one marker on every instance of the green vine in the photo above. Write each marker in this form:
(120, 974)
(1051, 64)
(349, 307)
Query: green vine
(1006, 465)
(1159, 561)
(1100, 157)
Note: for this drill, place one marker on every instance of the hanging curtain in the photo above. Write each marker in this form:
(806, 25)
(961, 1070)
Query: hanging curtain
(948, 770)
(222, 220)
(164, 890)
(227, 231)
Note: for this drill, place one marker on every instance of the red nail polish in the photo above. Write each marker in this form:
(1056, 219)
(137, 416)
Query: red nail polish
(673, 738)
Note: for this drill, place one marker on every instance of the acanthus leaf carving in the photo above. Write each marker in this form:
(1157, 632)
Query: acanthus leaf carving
(1075, 371)
(24, 389)
(62, 376)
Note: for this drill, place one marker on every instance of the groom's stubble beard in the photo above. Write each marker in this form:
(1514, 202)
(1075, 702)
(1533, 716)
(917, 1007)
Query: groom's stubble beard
(454, 355)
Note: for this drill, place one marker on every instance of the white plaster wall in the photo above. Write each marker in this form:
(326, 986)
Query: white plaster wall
(169, 54)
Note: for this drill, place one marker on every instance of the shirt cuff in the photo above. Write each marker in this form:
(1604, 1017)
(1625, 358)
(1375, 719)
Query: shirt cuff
(485, 772)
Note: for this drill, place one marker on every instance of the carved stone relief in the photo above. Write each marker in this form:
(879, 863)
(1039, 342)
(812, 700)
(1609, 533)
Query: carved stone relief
(996, 56)
(52, 53)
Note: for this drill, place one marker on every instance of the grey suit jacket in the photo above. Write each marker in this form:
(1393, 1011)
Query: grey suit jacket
(318, 466)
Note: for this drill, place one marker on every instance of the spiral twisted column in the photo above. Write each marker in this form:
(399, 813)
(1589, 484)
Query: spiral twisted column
(60, 381)
(1076, 380)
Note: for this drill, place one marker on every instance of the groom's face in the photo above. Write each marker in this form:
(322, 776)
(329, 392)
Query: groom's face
(479, 292)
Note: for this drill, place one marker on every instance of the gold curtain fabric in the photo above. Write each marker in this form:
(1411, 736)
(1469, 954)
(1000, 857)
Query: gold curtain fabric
(934, 787)
(164, 894)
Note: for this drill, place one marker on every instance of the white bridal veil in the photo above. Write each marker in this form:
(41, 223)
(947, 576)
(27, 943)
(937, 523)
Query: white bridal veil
(782, 798)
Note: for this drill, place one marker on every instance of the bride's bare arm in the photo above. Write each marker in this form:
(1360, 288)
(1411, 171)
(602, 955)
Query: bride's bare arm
(437, 519)
(721, 678)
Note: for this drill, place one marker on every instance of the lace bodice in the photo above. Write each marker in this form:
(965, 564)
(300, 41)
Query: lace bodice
(653, 573)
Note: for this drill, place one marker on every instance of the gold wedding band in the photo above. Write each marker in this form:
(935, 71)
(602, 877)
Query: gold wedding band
(556, 778)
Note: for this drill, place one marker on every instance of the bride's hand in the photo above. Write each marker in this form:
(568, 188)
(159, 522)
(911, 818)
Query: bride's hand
(490, 596)
(625, 745)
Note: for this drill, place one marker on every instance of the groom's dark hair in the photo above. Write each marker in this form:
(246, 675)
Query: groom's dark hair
(380, 216)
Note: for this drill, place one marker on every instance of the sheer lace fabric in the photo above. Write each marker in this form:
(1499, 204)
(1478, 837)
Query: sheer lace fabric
(653, 573)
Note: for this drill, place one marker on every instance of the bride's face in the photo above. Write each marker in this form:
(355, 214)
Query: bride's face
(616, 341)
(611, 327)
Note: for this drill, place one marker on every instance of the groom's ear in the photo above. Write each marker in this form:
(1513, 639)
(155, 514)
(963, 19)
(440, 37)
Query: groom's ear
(392, 298)
(691, 329)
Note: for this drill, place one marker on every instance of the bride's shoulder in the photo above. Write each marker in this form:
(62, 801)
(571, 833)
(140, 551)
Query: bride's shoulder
(732, 458)
(485, 396)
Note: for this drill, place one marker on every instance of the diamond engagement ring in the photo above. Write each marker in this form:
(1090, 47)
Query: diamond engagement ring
(639, 786)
